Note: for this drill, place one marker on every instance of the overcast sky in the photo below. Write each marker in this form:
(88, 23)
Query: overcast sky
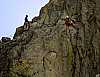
(12, 13)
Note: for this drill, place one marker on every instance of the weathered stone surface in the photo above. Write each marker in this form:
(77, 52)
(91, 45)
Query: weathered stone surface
(50, 49)
(5, 39)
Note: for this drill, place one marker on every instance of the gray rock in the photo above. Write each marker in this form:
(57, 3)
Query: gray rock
(51, 49)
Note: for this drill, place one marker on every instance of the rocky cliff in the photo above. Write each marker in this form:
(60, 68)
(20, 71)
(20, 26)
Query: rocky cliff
(49, 49)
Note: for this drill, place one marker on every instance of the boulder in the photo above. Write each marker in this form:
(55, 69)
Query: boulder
(5, 39)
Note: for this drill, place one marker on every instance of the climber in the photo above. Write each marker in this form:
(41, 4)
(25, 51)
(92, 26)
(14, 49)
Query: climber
(26, 24)
(67, 21)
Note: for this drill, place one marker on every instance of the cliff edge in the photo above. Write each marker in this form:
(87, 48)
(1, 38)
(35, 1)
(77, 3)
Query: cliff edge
(49, 49)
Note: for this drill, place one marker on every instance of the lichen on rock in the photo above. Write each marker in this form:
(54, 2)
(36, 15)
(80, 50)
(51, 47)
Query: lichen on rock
(50, 49)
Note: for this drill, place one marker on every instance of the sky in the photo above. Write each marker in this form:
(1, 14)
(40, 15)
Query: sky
(12, 14)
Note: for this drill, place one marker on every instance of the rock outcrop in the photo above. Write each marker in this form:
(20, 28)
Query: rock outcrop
(50, 49)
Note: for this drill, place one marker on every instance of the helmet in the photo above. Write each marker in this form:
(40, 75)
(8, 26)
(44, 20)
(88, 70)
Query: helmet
(67, 16)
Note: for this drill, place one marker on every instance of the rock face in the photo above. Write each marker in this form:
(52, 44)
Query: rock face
(5, 39)
(50, 49)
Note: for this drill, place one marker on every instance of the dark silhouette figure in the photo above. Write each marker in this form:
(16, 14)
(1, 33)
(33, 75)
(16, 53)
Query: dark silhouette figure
(26, 24)
(26, 18)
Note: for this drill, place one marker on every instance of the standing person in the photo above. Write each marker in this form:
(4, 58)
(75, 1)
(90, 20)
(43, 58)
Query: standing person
(26, 18)
(26, 24)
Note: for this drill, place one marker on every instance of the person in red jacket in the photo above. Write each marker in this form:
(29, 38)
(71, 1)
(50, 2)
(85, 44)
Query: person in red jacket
(69, 22)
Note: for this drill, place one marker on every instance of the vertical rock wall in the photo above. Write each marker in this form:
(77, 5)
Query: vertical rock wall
(50, 49)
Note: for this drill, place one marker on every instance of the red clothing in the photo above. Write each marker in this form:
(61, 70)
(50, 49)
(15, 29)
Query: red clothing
(67, 23)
